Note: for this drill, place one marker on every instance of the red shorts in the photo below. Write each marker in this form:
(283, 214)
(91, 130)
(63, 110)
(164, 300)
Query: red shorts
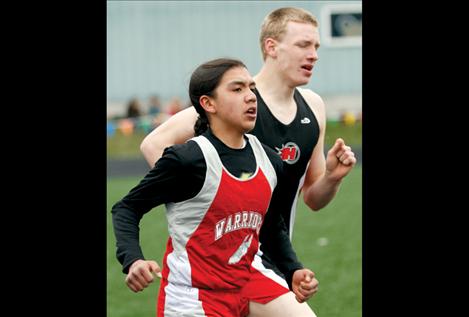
(180, 300)
(263, 286)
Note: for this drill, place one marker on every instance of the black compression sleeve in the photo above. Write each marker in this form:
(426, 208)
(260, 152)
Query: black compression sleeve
(174, 178)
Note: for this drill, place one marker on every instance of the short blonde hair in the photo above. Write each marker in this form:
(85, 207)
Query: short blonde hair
(275, 24)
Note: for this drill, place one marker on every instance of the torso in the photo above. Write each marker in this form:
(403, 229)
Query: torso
(214, 235)
(294, 142)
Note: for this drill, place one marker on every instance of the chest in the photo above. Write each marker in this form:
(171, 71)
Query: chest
(293, 142)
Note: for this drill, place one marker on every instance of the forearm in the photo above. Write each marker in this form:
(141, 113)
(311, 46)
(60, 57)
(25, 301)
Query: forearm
(152, 147)
(276, 245)
(321, 192)
(126, 231)
(282, 255)
(176, 130)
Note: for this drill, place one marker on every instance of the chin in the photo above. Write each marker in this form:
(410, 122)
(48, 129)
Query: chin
(249, 127)
(303, 81)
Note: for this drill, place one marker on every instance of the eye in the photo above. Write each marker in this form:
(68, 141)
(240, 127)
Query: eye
(253, 89)
(237, 89)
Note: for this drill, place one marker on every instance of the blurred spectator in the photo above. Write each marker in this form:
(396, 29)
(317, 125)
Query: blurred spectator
(134, 108)
(145, 124)
(126, 126)
(111, 129)
(174, 106)
(347, 118)
(154, 105)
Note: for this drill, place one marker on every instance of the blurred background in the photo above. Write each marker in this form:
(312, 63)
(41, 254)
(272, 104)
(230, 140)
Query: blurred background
(153, 47)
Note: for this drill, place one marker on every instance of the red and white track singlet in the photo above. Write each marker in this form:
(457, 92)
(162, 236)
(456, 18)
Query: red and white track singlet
(214, 235)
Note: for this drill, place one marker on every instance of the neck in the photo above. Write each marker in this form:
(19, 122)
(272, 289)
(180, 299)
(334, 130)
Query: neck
(232, 138)
(269, 83)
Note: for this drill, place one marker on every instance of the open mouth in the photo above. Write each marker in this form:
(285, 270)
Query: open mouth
(308, 67)
(252, 111)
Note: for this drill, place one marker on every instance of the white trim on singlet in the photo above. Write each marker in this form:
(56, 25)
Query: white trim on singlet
(179, 296)
(182, 301)
(294, 204)
(258, 265)
(263, 160)
(293, 207)
(181, 224)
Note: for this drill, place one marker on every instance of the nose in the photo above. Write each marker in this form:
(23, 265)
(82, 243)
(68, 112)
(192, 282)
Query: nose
(313, 55)
(250, 97)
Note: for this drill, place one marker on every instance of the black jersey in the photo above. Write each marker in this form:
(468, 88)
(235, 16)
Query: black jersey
(294, 143)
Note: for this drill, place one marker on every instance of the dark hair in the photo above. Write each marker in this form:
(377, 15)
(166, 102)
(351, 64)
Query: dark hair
(204, 80)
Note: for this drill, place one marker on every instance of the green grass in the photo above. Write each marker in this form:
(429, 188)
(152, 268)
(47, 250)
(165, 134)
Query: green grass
(125, 146)
(352, 134)
(338, 265)
(128, 146)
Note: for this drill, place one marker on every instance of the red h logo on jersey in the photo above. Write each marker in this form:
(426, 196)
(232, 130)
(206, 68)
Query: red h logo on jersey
(289, 153)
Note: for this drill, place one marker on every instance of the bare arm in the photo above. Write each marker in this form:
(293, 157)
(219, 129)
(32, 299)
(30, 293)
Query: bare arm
(177, 129)
(324, 175)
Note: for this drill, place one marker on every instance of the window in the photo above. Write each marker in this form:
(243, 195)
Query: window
(341, 25)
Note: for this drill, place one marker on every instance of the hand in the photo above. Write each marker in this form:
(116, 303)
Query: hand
(140, 274)
(304, 284)
(340, 160)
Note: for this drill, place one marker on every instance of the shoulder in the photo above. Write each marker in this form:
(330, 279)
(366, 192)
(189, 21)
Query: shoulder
(274, 158)
(271, 154)
(315, 102)
(313, 99)
(185, 154)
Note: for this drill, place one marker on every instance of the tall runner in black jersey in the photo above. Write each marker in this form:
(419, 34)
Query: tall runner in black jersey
(292, 121)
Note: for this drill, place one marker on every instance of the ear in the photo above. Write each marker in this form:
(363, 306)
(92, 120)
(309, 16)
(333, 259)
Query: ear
(270, 46)
(207, 103)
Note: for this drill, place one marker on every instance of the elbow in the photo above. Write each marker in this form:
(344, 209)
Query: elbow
(315, 208)
(145, 146)
(313, 205)
(148, 150)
